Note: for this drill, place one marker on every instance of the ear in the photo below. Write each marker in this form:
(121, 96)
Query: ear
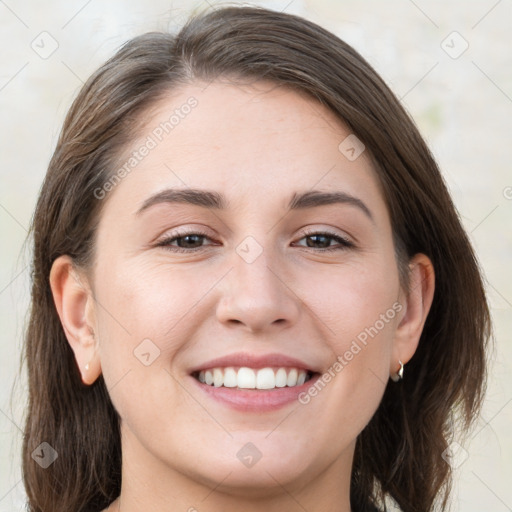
(416, 304)
(75, 305)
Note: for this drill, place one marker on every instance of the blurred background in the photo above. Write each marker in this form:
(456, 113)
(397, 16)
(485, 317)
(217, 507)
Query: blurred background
(448, 61)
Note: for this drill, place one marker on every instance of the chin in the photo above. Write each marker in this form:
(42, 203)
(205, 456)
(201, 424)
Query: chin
(255, 472)
(263, 480)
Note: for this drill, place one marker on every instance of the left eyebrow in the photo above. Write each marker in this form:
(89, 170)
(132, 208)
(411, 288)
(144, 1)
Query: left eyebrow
(318, 198)
(214, 200)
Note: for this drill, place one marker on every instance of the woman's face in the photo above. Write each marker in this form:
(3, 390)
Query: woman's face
(252, 283)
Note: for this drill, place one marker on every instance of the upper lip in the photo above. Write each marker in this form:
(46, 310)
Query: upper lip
(254, 361)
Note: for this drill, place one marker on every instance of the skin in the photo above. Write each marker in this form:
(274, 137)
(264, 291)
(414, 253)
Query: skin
(257, 145)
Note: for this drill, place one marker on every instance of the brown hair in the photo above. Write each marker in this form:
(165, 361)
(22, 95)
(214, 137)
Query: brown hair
(399, 454)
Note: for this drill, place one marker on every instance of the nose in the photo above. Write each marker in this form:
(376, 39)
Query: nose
(257, 295)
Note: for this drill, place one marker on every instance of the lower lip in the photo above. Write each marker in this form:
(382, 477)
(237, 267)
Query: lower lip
(256, 400)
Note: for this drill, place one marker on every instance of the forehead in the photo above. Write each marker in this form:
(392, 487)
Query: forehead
(258, 143)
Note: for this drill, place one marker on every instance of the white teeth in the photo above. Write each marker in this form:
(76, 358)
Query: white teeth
(248, 378)
(281, 378)
(265, 379)
(291, 380)
(230, 378)
(218, 377)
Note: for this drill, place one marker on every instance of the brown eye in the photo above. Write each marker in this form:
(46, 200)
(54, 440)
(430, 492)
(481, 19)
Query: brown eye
(184, 242)
(323, 241)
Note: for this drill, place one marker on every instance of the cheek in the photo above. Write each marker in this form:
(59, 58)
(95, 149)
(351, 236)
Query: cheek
(142, 324)
(350, 300)
(358, 312)
(134, 311)
(152, 301)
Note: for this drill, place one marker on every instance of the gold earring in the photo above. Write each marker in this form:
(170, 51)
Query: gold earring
(399, 374)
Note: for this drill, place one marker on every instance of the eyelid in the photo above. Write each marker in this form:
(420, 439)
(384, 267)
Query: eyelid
(191, 229)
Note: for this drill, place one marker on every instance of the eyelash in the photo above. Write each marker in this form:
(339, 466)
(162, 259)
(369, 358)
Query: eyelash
(165, 243)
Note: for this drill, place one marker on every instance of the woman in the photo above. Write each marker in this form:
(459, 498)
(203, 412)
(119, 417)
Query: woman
(251, 289)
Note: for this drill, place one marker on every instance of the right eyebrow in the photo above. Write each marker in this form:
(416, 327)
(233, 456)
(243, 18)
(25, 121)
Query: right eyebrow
(205, 198)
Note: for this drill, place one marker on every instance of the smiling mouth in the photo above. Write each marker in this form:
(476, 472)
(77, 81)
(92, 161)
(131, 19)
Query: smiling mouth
(253, 378)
